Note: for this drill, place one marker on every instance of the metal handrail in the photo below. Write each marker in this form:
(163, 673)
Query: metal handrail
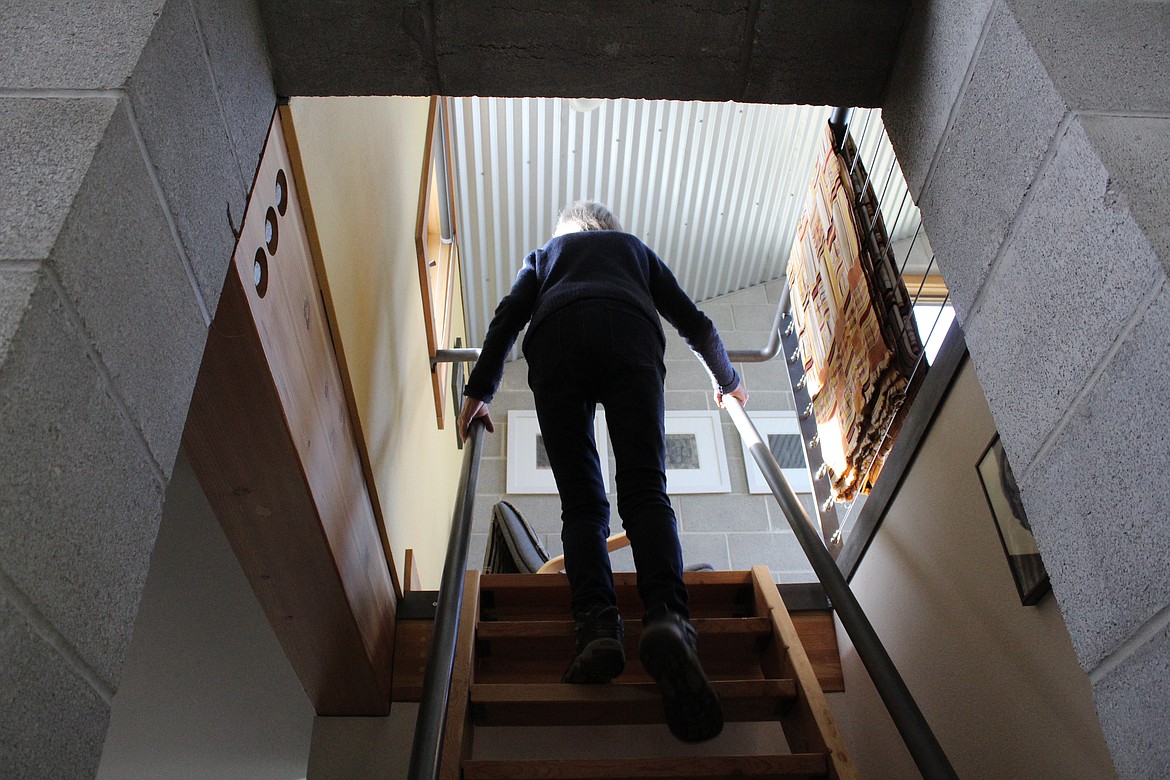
(916, 732)
(432, 712)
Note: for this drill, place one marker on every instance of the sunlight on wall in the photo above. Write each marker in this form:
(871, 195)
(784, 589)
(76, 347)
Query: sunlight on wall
(362, 164)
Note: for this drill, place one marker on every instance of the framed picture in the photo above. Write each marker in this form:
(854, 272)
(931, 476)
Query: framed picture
(696, 459)
(1003, 496)
(781, 430)
(528, 467)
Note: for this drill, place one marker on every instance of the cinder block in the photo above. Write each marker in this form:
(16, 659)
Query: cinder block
(721, 513)
(774, 289)
(234, 37)
(682, 49)
(771, 375)
(370, 48)
(622, 559)
(492, 482)
(543, 513)
(91, 45)
(1073, 273)
(1103, 56)
(81, 504)
(45, 149)
(1136, 152)
(747, 339)
(1097, 500)
(754, 316)
(861, 37)
(16, 287)
(757, 293)
(987, 164)
(53, 722)
(721, 314)
(705, 548)
(936, 47)
(686, 400)
(179, 116)
(1131, 703)
(687, 374)
(780, 552)
(119, 264)
(506, 400)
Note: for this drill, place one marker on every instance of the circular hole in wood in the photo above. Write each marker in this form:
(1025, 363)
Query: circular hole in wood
(271, 231)
(281, 192)
(260, 272)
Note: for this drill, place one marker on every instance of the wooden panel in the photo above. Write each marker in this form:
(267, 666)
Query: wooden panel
(818, 634)
(617, 704)
(800, 765)
(546, 596)
(270, 438)
(412, 642)
(810, 725)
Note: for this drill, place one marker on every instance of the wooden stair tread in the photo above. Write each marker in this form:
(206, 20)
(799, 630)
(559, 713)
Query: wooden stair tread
(714, 594)
(798, 765)
(500, 629)
(556, 704)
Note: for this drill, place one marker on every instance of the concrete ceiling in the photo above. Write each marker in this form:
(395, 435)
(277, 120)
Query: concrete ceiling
(818, 52)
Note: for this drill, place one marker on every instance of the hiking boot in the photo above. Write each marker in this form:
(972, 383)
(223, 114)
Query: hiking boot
(601, 654)
(669, 653)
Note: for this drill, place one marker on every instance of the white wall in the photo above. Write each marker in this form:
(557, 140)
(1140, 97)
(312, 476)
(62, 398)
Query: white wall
(998, 682)
(206, 691)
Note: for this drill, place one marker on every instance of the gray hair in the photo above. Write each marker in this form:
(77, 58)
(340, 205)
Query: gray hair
(589, 215)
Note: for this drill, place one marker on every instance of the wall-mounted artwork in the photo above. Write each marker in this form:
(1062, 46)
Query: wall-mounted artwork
(528, 467)
(1003, 495)
(781, 430)
(696, 458)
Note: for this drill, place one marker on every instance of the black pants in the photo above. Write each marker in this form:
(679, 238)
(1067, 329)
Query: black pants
(597, 351)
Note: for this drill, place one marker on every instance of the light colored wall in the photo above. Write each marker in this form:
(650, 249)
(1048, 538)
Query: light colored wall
(729, 531)
(363, 162)
(998, 682)
(207, 690)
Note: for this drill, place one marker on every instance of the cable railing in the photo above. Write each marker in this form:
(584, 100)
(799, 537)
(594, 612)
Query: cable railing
(869, 156)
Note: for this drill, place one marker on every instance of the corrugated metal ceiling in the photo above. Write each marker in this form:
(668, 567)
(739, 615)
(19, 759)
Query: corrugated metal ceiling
(715, 188)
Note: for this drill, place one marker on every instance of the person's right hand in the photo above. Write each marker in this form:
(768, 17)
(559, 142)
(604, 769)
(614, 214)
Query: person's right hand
(473, 408)
(739, 394)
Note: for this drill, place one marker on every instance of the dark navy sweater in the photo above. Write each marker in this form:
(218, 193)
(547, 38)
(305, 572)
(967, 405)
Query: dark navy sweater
(603, 264)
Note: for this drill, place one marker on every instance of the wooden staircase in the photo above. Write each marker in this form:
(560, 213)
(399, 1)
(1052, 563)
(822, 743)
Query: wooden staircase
(516, 640)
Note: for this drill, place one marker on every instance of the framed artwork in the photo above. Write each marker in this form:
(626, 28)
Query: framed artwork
(528, 467)
(1003, 496)
(696, 459)
(781, 430)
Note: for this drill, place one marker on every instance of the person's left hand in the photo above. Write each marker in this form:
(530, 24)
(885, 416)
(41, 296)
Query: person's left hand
(473, 408)
(739, 394)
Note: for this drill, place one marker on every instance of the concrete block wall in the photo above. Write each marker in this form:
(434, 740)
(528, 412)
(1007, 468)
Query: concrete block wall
(1036, 135)
(129, 134)
(729, 531)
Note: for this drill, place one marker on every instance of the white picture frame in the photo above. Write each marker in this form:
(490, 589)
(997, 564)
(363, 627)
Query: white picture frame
(525, 475)
(698, 437)
(770, 425)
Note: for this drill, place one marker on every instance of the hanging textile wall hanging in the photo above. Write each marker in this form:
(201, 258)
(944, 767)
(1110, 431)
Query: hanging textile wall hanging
(858, 342)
